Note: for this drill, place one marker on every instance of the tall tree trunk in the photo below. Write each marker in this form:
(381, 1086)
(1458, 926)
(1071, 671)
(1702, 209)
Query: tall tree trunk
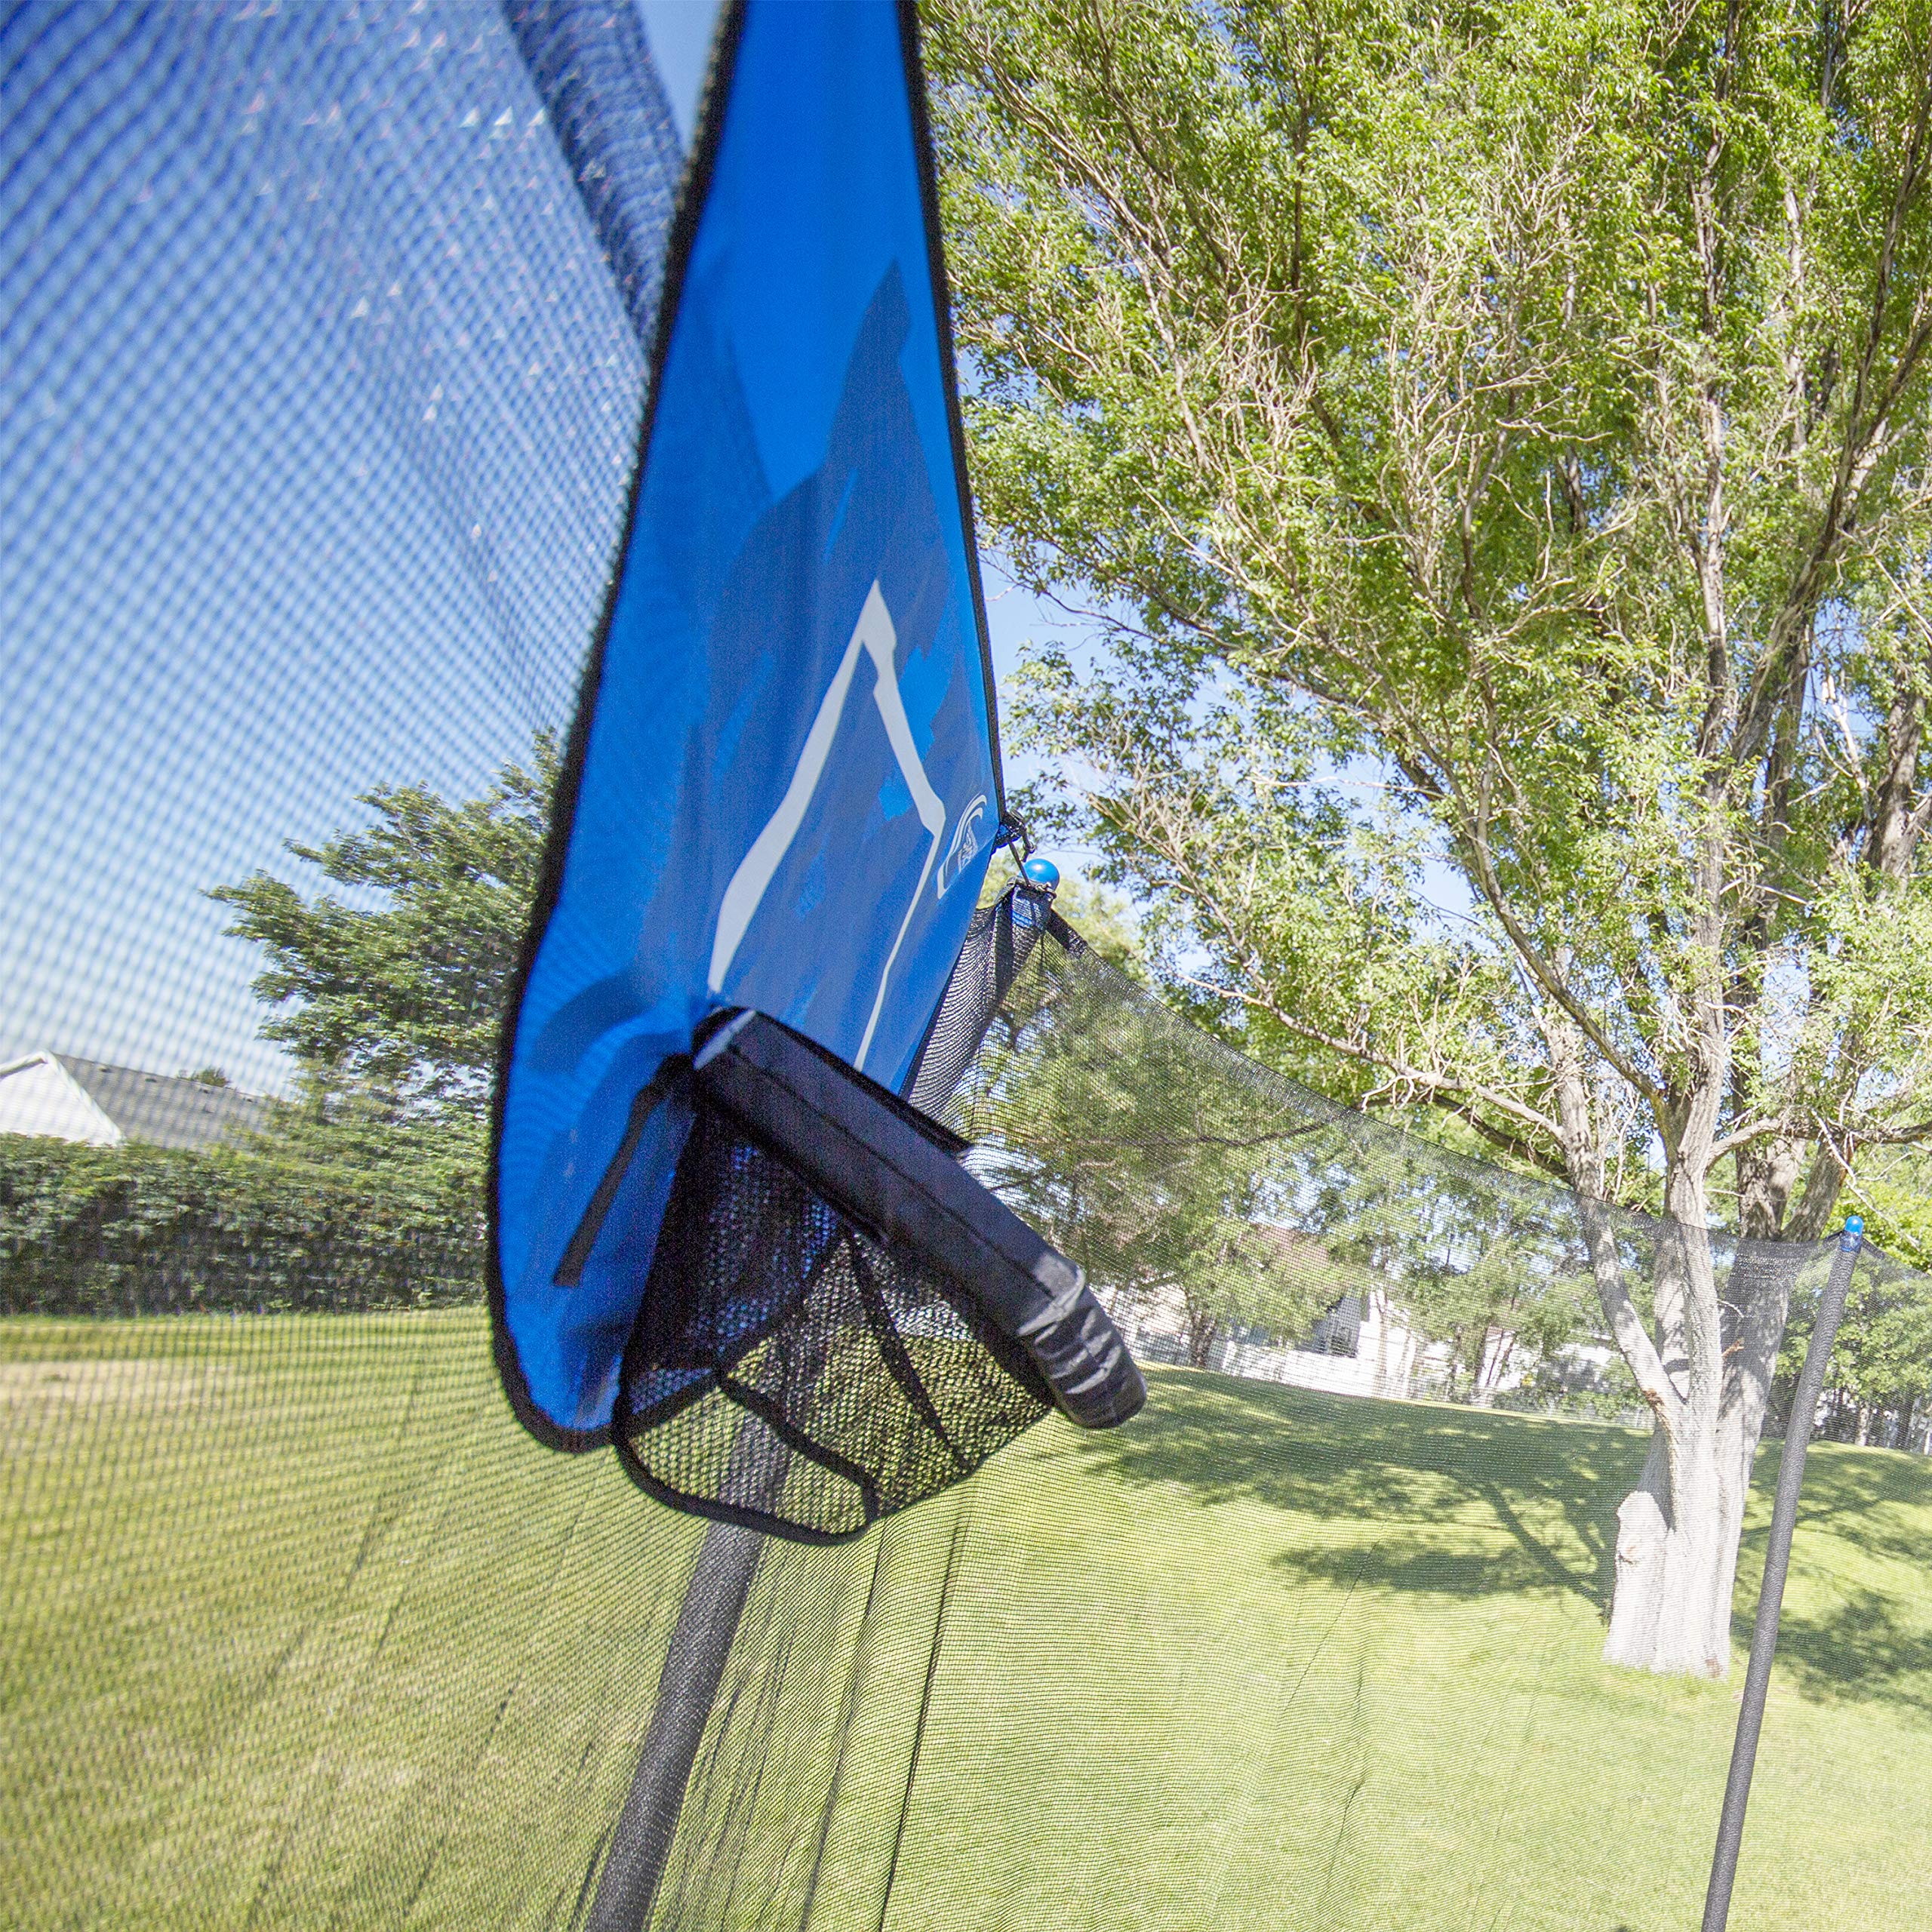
(1677, 1539)
(1678, 1531)
(1202, 1329)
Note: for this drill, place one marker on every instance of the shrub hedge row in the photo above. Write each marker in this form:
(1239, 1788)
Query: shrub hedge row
(137, 1230)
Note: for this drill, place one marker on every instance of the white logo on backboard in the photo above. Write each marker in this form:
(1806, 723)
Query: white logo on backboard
(874, 636)
(964, 848)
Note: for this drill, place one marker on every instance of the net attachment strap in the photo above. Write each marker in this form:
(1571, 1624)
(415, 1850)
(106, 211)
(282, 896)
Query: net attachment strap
(897, 1172)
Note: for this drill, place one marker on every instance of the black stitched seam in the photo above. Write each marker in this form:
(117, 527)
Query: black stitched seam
(922, 159)
(583, 1240)
(765, 1524)
(692, 195)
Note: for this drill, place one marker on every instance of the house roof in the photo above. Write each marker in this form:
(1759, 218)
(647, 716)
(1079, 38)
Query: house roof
(163, 1109)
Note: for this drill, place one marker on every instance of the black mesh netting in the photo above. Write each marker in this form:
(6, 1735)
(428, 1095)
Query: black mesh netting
(321, 369)
(1221, 1206)
(999, 943)
(790, 1366)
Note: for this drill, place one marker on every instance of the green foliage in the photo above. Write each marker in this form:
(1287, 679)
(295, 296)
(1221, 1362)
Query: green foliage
(403, 997)
(137, 1229)
(1526, 415)
(1103, 1124)
(1895, 1196)
(1566, 1385)
(1881, 1361)
(1496, 1273)
(367, 1191)
(1474, 1276)
(1497, 447)
(1883, 1356)
(1179, 1174)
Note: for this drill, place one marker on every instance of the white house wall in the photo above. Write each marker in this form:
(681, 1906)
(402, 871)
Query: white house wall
(1389, 1355)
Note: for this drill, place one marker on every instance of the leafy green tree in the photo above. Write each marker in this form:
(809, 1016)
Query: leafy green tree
(1503, 1284)
(1880, 1377)
(391, 1000)
(1892, 1189)
(1098, 1118)
(390, 991)
(1882, 1358)
(1881, 1362)
(1525, 409)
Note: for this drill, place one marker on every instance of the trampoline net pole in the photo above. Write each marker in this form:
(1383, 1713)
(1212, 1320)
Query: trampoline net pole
(687, 1688)
(1777, 1562)
(714, 1604)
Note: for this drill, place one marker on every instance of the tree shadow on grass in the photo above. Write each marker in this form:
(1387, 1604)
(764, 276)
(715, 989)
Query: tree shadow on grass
(1860, 1651)
(1862, 1511)
(1881, 1500)
(1470, 1504)
(1462, 1503)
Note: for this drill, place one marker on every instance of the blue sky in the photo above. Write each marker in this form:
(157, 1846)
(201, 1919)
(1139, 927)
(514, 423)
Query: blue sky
(680, 32)
(232, 359)
(303, 495)
(113, 827)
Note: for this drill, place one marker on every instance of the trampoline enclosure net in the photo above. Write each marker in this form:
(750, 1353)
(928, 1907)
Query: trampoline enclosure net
(323, 333)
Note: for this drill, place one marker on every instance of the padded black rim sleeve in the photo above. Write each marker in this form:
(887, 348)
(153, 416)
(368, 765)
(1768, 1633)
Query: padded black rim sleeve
(856, 1145)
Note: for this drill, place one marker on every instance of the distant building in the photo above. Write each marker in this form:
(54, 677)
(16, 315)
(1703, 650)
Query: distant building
(1363, 1345)
(62, 1098)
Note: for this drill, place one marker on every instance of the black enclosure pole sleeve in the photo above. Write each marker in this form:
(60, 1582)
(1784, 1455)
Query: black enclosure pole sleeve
(701, 1641)
(1777, 1561)
(687, 1688)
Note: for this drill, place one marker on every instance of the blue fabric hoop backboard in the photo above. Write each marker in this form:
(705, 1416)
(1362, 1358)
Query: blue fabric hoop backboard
(782, 786)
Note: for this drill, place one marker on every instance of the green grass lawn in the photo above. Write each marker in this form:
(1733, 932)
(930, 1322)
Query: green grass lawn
(296, 1628)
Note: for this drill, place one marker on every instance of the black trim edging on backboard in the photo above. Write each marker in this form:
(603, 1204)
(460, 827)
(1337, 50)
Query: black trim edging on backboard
(692, 195)
(948, 370)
